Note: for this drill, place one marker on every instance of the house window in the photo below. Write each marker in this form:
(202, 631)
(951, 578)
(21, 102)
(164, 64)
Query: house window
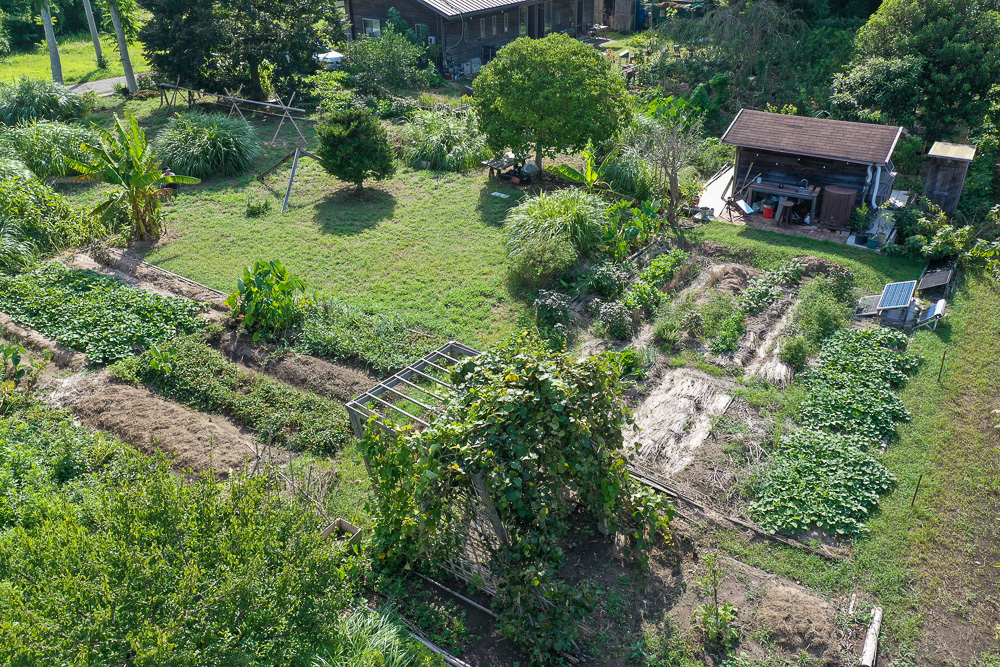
(506, 22)
(372, 27)
(494, 24)
(421, 31)
(522, 28)
(558, 18)
(548, 18)
(482, 28)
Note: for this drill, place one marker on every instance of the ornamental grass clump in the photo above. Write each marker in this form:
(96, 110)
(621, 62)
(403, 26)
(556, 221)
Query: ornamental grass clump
(444, 141)
(43, 146)
(571, 212)
(205, 145)
(27, 100)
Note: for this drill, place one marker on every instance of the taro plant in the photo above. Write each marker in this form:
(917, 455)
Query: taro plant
(629, 228)
(123, 158)
(15, 366)
(268, 299)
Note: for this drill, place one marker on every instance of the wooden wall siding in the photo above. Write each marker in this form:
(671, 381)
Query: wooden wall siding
(790, 169)
(472, 46)
(410, 10)
(945, 182)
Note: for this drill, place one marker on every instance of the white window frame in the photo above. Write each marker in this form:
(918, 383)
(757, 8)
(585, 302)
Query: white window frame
(482, 27)
(371, 27)
(494, 25)
(506, 22)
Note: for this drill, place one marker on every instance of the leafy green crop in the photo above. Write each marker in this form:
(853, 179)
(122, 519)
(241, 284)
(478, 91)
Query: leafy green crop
(267, 299)
(198, 376)
(99, 316)
(106, 559)
(821, 480)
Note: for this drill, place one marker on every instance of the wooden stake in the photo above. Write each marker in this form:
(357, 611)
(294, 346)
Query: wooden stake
(870, 652)
(941, 370)
(288, 191)
(914, 499)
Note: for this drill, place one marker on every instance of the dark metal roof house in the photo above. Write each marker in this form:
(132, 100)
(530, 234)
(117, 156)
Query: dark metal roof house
(469, 30)
(814, 161)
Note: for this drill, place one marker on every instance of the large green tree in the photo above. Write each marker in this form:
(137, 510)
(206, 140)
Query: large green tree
(548, 96)
(354, 147)
(958, 42)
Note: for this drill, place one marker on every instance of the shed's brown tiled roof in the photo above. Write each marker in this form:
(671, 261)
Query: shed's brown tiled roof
(816, 137)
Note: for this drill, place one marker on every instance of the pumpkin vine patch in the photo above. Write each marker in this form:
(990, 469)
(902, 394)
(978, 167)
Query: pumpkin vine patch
(542, 431)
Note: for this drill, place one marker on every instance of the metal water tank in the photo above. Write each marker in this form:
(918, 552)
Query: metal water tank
(838, 202)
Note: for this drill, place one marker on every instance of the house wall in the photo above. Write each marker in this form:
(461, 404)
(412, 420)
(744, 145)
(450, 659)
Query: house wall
(790, 169)
(412, 12)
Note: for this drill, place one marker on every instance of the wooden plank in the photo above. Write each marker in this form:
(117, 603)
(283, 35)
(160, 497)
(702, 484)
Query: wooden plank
(870, 652)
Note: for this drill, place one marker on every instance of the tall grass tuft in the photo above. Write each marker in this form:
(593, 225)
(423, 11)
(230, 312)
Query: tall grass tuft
(373, 640)
(571, 212)
(26, 100)
(446, 141)
(17, 252)
(205, 145)
(627, 173)
(43, 146)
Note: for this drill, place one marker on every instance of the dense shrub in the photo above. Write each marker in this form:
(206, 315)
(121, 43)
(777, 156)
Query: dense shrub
(43, 217)
(641, 297)
(627, 173)
(616, 320)
(199, 377)
(821, 480)
(383, 340)
(353, 146)
(44, 146)
(161, 570)
(552, 308)
(207, 144)
(99, 316)
(570, 212)
(664, 267)
(445, 141)
(26, 100)
(610, 280)
(377, 65)
(819, 313)
(268, 299)
(795, 352)
(540, 260)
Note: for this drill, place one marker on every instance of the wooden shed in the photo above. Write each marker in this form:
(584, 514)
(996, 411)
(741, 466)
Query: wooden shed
(947, 167)
(795, 159)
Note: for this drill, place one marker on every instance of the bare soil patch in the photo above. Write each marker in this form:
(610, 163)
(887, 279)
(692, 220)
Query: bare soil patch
(195, 441)
(301, 371)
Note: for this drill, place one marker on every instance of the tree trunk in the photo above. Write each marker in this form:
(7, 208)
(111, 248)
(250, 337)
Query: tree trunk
(50, 39)
(538, 159)
(94, 35)
(257, 90)
(675, 195)
(116, 20)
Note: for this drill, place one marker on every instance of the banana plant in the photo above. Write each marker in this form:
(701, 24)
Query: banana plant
(590, 177)
(124, 158)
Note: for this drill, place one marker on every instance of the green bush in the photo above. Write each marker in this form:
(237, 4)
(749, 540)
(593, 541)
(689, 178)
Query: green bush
(820, 480)
(616, 320)
(203, 145)
(384, 341)
(552, 309)
(161, 570)
(540, 260)
(819, 313)
(641, 297)
(568, 213)
(628, 174)
(27, 100)
(268, 299)
(610, 280)
(44, 146)
(201, 378)
(377, 65)
(42, 217)
(795, 352)
(99, 316)
(353, 146)
(664, 267)
(445, 141)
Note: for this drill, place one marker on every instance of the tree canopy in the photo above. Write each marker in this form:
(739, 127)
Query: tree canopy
(549, 96)
(354, 147)
(953, 42)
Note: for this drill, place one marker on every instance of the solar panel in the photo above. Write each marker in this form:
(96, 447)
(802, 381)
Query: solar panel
(897, 295)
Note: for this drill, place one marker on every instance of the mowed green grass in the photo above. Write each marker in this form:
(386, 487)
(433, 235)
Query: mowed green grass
(79, 64)
(425, 244)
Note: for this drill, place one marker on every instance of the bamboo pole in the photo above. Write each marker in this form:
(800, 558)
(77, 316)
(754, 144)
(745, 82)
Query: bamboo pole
(870, 652)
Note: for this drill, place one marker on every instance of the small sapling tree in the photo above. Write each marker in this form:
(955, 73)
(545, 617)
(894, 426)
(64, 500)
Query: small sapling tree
(354, 147)
(548, 96)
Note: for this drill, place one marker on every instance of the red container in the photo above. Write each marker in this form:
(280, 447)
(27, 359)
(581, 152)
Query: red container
(768, 210)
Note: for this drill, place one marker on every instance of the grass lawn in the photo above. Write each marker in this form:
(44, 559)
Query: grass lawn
(78, 61)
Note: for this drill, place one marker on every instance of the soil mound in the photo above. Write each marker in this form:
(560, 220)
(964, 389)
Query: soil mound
(196, 441)
(801, 623)
(730, 277)
(301, 371)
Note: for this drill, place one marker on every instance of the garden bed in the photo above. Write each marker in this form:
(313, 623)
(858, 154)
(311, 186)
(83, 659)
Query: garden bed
(196, 441)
